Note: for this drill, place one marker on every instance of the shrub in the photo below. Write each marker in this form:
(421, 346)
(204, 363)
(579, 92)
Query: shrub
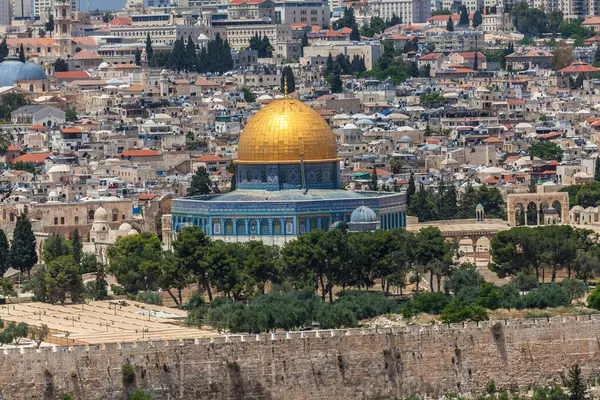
(66, 396)
(140, 394)
(551, 295)
(337, 315)
(525, 281)
(464, 283)
(128, 374)
(594, 299)
(118, 290)
(459, 310)
(573, 288)
(489, 296)
(149, 298)
(431, 302)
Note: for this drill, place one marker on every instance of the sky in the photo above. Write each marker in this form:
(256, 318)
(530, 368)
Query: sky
(102, 4)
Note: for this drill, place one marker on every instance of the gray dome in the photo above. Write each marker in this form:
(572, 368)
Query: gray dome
(363, 214)
(405, 139)
(479, 206)
(31, 72)
(9, 69)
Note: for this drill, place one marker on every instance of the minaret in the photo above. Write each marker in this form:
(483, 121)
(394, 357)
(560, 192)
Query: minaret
(62, 30)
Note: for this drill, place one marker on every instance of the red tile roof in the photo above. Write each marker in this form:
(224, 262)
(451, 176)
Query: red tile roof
(430, 56)
(70, 130)
(38, 127)
(455, 17)
(147, 196)
(331, 33)
(579, 67)
(345, 30)
(120, 21)
(72, 75)
(36, 158)
(138, 153)
(492, 140)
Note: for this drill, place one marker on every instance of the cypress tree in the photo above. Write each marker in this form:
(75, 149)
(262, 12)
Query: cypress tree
(477, 19)
(22, 254)
(77, 245)
(149, 50)
(450, 24)
(410, 191)
(464, 16)
(374, 178)
(355, 34)
(22, 53)
(190, 54)
(138, 57)
(4, 251)
(291, 83)
(329, 64)
(577, 389)
(597, 169)
(3, 50)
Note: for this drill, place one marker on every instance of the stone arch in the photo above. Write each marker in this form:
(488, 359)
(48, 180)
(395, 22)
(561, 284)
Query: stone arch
(228, 227)
(240, 227)
(562, 198)
(264, 227)
(519, 214)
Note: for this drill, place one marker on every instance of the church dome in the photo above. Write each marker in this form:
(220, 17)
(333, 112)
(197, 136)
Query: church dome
(101, 215)
(285, 131)
(31, 72)
(9, 69)
(363, 214)
(125, 227)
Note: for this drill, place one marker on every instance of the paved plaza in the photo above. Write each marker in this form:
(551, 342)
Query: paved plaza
(104, 321)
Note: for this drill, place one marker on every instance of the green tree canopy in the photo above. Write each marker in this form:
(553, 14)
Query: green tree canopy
(200, 184)
(546, 151)
(136, 261)
(63, 280)
(23, 256)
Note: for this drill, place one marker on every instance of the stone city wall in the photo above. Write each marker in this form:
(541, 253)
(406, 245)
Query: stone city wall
(353, 364)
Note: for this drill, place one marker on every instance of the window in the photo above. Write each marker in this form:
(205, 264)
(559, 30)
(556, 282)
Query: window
(55, 220)
(217, 227)
(62, 220)
(76, 220)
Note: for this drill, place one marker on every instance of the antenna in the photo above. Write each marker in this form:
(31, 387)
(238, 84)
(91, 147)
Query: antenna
(303, 175)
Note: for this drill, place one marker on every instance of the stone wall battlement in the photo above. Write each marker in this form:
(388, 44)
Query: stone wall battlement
(326, 364)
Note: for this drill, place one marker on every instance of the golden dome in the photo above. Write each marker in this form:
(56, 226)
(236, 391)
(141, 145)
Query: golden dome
(283, 132)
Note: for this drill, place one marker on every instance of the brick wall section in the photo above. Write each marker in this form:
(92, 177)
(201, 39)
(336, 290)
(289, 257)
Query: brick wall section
(351, 364)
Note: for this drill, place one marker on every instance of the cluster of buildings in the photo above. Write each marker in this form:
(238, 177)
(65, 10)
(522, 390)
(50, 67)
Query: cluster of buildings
(109, 144)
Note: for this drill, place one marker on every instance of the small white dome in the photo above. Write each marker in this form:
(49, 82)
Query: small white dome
(363, 214)
(132, 232)
(125, 227)
(101, 215)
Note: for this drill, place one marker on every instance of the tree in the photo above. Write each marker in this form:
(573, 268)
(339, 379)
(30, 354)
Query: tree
(464, 16)
(190, 55)
(532, 185)
(261, 45)
(562, 55)
(15, 332)
(76, 245)
(329, 64)
(3, 50)
(476, 60)
(138, 56)
(190, 248)
(178, 56)
(136, 261)
(577, 389)
(287, 78)
(335, 82)
(597, 168)
(531, 22)
(60, 65)
(304, 43)
(97, 289)
(200, 184)
(56, 246)
(546, 151)
(50, 24)
(63, 279)
(450, 24)
(39, 334)
(411, 190)
(149, 50)
(174, 275)
(22, 254)
(70, 114)
(355, 34)
(396, 165)
(140, 394)
(4, 253)
(373, 184)
(21, 53)
(249, 97)
(458, 311)
(477, 19)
